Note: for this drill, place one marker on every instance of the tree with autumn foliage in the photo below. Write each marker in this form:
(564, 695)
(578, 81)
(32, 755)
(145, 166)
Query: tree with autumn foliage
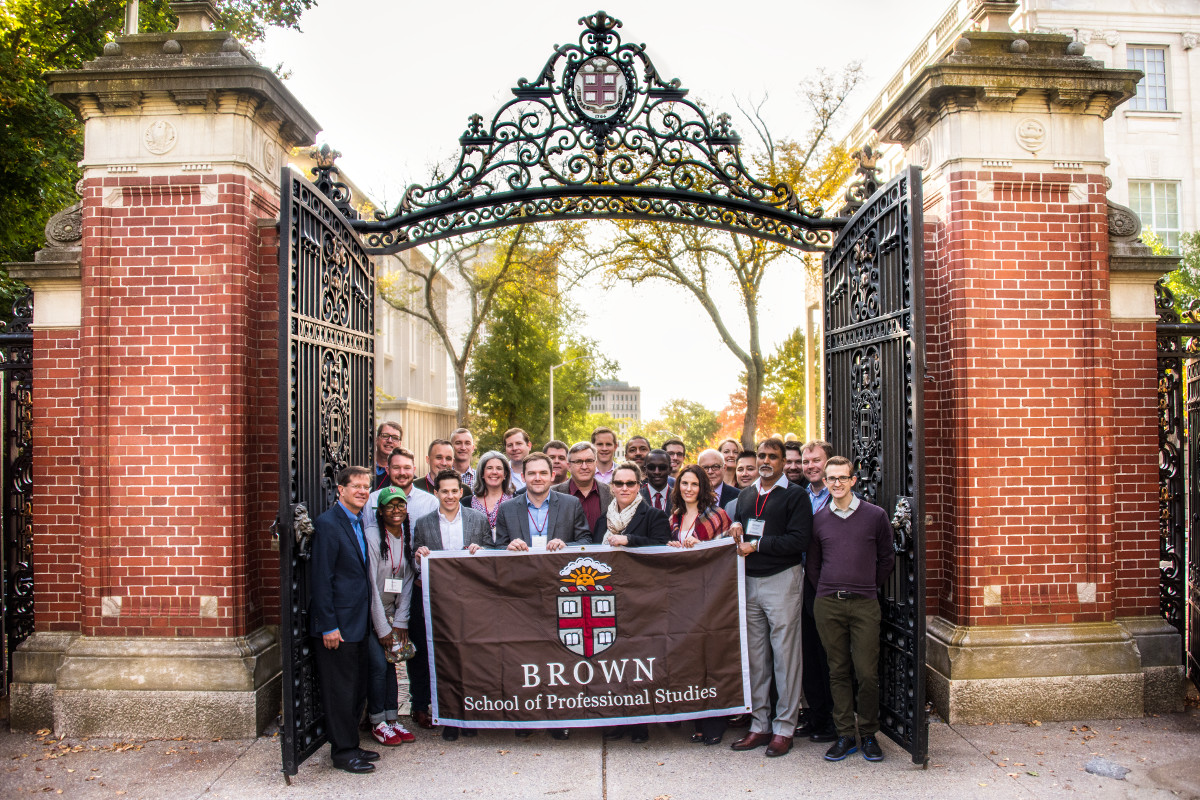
(703, 260)
(783, 405)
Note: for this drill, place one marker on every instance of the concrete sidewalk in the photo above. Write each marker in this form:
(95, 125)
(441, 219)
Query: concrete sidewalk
(1161, 753)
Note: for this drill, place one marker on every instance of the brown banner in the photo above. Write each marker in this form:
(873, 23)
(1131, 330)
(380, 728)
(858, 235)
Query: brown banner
(586, 636)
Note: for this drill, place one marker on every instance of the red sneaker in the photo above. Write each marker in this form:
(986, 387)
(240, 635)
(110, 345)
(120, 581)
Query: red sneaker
(385, 736)
(401, 731)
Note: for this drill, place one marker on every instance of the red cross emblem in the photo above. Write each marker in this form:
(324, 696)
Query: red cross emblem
(587, 619)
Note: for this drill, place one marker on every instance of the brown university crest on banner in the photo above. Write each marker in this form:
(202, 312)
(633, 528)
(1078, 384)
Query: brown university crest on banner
(528, 640)
(587, 611)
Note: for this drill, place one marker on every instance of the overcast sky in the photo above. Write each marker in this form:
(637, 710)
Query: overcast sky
(392, 82)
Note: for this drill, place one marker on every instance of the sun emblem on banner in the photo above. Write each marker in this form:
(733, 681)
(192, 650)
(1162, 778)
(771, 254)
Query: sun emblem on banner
(587, 609)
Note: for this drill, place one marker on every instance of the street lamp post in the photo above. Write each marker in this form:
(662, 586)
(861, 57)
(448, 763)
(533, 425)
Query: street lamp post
(556, 366)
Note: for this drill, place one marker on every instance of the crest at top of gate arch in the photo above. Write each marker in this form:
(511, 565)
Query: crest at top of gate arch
(598, 134)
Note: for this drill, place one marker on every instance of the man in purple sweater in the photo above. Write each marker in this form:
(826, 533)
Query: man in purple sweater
(849, 558)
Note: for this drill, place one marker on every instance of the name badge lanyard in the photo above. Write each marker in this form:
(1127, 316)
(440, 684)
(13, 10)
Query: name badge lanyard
(545, 521)
(755, 529)
(393, 584)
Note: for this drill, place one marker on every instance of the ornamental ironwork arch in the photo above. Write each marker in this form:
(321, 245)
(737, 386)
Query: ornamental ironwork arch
(599, 134)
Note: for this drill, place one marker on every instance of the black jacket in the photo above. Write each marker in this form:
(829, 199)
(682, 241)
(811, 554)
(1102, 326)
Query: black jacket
(788, 518)
(649, 527)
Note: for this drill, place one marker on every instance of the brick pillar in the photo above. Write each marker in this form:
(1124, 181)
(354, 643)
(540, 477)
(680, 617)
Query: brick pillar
(1037, 400)
(171, 421)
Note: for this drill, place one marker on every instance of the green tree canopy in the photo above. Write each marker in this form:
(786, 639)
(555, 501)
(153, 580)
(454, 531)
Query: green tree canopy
(41, 139)
(784, 384)
(532, 328)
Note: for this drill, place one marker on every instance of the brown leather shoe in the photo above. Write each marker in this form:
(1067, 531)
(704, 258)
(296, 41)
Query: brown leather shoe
(423, 719)
(779, 746)
(751, 740)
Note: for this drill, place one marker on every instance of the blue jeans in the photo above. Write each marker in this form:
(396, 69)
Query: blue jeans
(382, 692)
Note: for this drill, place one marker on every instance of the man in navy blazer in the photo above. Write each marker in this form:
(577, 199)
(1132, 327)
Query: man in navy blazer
(339, 612)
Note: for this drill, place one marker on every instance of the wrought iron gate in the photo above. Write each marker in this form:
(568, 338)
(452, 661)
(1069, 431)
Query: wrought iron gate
(874, 364)
(16, 476)
(1178, 340)
(326, 407)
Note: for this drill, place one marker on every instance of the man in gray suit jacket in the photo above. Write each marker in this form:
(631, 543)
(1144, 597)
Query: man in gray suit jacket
(540, 512)
(453, 527)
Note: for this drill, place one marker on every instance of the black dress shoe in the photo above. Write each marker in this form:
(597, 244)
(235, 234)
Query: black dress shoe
(697, 737)
(449, 734)
(561, 734)
(870, 748)
(827, 734)
(711, 740)
(612, 734)
(524, 733)
(844, 746)
(640, 737)
(356, 765)
(367, 755)
(810, 724)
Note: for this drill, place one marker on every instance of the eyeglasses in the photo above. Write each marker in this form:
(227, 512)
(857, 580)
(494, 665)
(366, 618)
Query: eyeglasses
(713, 468)
(839, 479)
(584, 461)
(389, 437)
(623, 484)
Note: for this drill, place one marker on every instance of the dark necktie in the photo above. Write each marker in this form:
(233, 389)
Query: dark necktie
(658, 500)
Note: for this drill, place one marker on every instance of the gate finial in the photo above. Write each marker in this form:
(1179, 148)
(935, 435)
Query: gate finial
(326, 174)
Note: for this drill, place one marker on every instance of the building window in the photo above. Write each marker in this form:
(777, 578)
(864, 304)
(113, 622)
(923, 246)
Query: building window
(1157, 203)
(1152, 88)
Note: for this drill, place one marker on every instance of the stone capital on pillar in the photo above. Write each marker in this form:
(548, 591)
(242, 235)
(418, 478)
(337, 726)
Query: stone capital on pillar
(1007, 101)
(188, 102)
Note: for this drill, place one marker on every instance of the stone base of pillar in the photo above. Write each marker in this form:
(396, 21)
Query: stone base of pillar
(1016, 673)
(147, 687)
(35, 667)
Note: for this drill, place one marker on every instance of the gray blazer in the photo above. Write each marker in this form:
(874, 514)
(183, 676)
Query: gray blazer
(427, 531)
(597, 486)
(565, 521)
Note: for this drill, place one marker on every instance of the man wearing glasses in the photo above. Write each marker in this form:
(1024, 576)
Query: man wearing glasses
(582, 485)
(850, 557)
(387, 438)
(713, 464)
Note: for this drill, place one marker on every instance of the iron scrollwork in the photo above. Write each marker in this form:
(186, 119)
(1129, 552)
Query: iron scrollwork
(327, 395)
(874, 356)
(1178, 342)
(16, 392)
(599, 133)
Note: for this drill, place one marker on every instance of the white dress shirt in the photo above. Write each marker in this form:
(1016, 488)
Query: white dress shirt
(452, 530)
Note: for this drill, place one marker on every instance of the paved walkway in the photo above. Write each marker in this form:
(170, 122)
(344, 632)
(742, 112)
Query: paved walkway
(1162, 755)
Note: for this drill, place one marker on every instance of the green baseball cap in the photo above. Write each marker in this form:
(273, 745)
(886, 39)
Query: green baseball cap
(392, 493)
